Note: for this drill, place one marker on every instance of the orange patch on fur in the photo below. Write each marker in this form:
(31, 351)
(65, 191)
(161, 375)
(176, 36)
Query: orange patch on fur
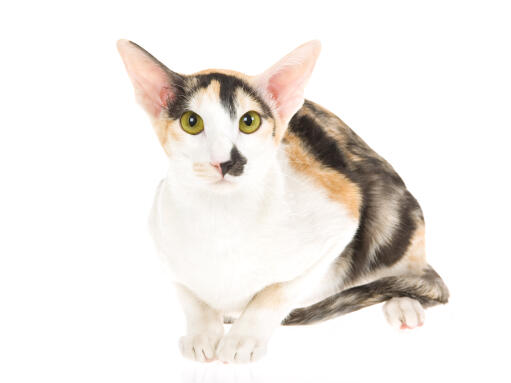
(212, 92)
(415, 255)
(269, 298)
(164, 131)
(338, 187)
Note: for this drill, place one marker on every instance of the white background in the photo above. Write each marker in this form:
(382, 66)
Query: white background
(83, 295)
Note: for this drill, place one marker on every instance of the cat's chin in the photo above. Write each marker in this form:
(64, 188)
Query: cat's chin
(224, 185)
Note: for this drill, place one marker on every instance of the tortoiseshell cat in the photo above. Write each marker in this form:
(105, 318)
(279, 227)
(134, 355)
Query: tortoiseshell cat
(273, 210)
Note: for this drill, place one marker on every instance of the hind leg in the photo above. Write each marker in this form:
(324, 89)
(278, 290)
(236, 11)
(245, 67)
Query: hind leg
(404, 298)
(404, 313)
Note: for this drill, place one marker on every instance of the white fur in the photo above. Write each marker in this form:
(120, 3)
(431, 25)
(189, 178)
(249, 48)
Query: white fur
(226, 247)
(204, 330)
(403, 312)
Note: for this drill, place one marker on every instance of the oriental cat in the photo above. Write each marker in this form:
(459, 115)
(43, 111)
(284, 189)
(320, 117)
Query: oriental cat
(273, 210)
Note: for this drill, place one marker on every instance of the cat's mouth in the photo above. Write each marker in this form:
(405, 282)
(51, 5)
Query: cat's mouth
(223, 181)
(224, 185)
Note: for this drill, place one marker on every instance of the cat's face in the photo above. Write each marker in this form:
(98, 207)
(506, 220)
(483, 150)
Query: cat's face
(220, 129)
(218, 132)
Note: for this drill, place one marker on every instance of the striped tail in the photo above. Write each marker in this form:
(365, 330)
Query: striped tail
(427, 288)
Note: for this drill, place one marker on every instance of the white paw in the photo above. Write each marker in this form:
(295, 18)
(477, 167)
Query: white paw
(240, 349)
(403, 313)
(200, 348)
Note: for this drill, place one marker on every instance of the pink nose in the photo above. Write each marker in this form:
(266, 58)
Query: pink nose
(223, 167)
(217, 166)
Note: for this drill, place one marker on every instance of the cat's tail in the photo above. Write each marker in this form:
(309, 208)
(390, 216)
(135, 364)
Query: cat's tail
(427, 288)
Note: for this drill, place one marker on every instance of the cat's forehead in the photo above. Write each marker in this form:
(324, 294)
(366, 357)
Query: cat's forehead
(228, 88)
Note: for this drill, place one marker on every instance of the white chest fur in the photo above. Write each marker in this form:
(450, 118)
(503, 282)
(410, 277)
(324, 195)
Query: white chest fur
(226, 248)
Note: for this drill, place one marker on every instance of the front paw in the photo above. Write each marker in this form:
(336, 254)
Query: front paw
(235, 348)
(200, 347)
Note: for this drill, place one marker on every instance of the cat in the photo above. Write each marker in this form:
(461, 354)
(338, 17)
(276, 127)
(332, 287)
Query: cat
(273, 210)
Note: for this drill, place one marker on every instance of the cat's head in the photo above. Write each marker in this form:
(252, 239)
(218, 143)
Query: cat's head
(220, 129)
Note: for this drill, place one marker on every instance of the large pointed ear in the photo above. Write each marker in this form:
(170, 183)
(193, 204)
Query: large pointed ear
(155, 84)
(284, 82)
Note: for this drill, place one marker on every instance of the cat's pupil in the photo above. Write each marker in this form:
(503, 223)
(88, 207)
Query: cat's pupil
(247, 119)
(192, 120)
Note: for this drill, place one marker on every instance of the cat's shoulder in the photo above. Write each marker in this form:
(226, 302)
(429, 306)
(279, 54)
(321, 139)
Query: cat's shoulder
(315, 148)
(319, 145)
(326, 137)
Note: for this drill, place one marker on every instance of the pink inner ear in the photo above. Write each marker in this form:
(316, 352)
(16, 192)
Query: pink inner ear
(286, 89)
(149, 78)
(152, 87)
(285, 81)
(166, 95)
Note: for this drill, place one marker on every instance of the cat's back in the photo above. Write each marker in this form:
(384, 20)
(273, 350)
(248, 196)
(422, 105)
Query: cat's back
(334, 145)
(321, 147)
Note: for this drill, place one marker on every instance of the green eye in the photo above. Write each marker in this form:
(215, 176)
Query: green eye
(192, 123)
(250, 122)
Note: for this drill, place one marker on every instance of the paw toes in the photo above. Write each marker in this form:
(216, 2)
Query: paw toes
(239, 349)
(392, 313)
(226, 350)
(404, 313)
(257, 353)
(420, 313)
(245, 351)
(197, 347)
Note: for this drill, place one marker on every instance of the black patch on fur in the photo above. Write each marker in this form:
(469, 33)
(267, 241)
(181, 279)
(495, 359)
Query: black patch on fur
(228, 87)
(235, 165)
(177, 105)
(324, 148)
(389, 253)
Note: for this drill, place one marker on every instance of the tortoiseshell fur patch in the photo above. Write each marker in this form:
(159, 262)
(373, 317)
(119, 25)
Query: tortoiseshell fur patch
(391, 223)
